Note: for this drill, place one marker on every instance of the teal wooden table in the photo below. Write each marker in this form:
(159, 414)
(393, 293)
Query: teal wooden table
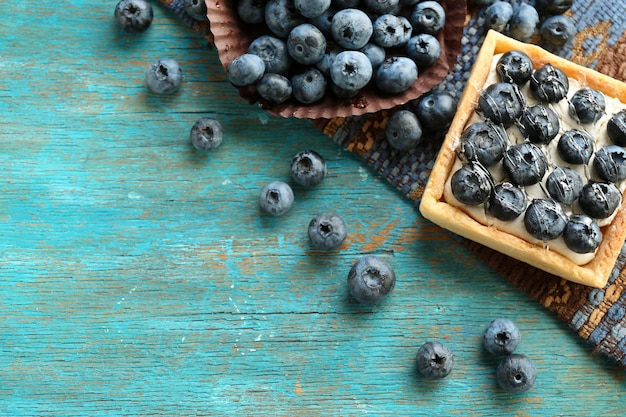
(139, 278)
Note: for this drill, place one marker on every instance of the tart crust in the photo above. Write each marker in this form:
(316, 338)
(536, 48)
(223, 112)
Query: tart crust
(435, 208)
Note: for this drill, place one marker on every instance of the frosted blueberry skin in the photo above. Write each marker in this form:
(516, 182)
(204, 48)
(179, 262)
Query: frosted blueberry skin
(403, 130)
(514, 67)
(501, 337)
(206, 133)
(134, 16)
(525, 164)
(164, 76)
(599, 199)
(575, 147)
(434, 360)
(556, 32)
(498, 15)
(616, 128)
(549, 84)
(471, 184)
(390, 30)
(424, 49)
(309, 86)
(587, 105)
(306, 44)
(545, 219)
(582, 234)
(273, 51)
(502, 103)
(351, 70)
(274, 88)
(539, 124)
(311, 8)
(281, 16)
(308, 168)
(564, 185)
(380, 7)
(524, 22)
(251, 11)
(436, 109)
(196, 9)
(396, 75)
(375, 53)
(245, 70)
(428, 17)
(351, 28)
(327, 231)
(276, 198)
(484, 142)
(507, 201)
(371, 279)
(516, 373)
(324, 21)
(609, 163)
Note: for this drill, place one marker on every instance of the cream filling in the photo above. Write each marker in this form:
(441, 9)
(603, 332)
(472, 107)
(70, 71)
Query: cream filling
(596, 130)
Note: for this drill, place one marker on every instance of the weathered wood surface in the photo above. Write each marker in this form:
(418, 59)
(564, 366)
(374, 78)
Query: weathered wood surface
(138, 277)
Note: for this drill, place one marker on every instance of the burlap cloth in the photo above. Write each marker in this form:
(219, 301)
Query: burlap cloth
(597, 315)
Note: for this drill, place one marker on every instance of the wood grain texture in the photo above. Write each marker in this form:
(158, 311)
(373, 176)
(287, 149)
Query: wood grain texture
(139, 277)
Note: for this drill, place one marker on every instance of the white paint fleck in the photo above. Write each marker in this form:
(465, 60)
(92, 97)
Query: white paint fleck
(251, 350)
(363, 174)
(182, 339)
(258, 338)
(134, 196)
(226, 182)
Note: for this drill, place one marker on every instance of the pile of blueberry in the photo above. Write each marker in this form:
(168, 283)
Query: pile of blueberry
(523, 21)
(312, 47)
(484, 146)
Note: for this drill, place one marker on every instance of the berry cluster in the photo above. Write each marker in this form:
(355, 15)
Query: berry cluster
(312, 47)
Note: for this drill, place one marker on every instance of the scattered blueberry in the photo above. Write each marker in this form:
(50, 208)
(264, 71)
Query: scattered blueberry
(514, 67)
(380, 7)
(251, 11)
(485, 142)
(351, 28)
(575, 147)
(525, 164)
(471, 184)
(507, 201)
(134, 16)
(403, 130)
(371, 279)
(308, 168)
(501, 337)
(351, 70)
(523, 23)
(436, 109)
(311, 8)
(599, 199)
(164, 76)
(428, 17)
(276, 198)
(196, 9)
(327, 231)
(549, 84)
(616, 128)
(245, 69)
(498, 15)
(390, 30)
(324, 21)
(545, 219)
(281, 16)
(375, 53)
(206, 133)
(274, 88)
(326, 63)
(309, 86)
(564, 185)
(582, 234)
(424, 49)
(273, 51)
(587, 105)
(306, 44)
(396, 75)
(516, 373)
(434, 360)
(554, 7)
(539, 123)
(609, 163)
(502, 103)
(556, 32)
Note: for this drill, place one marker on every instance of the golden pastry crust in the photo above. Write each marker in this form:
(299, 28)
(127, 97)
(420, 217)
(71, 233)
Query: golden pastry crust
(435, 208)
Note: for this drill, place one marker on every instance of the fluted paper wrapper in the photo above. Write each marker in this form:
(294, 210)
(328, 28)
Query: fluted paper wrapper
(232, 38)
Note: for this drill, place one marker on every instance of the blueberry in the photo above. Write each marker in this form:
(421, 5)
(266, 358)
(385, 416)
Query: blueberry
(436, 109)
(498, 15)
(525, 164)
(556, 32)
(343, 93)
(424, 49)
(609, 163)
(390, 30)
(346, 4)
(545, 219)
(428, 17)
(375, 53)
(554, 7)
(306, 44)
(327, 231)
(471, 184)
(587, 105)
(380, 7)
(507, 201)
(281, 16)
(309, 86)
(164, 76)
(206, 133)
(514, 67)
(502, 103)
(311, 8)
(575, 146)
(196, 9)
(351, 70)
(549, 84)
(351, 28)
(245, 69)
(599, 199)
(324, 21)
(403, 130)
(308, 168)
(274, 88)
(273, 51)
(616, 128)
(134, 16)
(501, 337)
(516, 373)
(539, 124)
(276, 198)
(564, 185)
(523, 23)
(396, 75)
(484, 142)
(582, 234)
(251, 11)
(371, 279)
(326, 63)
(434, 360)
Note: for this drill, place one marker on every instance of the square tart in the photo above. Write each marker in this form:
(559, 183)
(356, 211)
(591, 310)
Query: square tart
(436, 208)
